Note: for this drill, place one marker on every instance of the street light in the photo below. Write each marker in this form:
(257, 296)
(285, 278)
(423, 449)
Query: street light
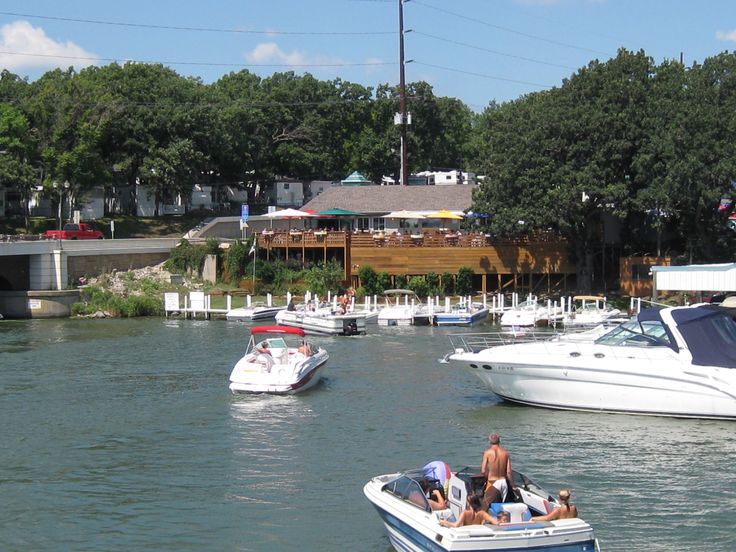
(61, 190)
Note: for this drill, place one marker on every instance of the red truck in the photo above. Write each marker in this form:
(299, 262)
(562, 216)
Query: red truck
(79, 231)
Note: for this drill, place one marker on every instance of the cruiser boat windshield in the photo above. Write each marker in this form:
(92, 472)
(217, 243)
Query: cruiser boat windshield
(649, 333)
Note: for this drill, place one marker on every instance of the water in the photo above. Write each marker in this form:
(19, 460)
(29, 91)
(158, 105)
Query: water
(122, 435)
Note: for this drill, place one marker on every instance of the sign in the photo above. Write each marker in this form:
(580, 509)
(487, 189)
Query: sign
(244, 212)
(171, 301)
(35, 304)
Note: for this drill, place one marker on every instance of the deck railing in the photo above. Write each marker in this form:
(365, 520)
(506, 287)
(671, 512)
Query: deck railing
(427, 238)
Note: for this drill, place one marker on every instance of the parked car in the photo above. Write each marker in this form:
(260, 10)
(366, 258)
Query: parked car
(71, 231)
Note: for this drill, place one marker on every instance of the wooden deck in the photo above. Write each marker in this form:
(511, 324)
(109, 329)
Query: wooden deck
(500, 264)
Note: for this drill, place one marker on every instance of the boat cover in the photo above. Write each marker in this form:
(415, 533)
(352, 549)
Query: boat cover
(277, 329)
(710, 335)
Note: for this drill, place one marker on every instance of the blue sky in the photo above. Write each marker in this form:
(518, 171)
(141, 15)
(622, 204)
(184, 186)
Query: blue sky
(475, 50)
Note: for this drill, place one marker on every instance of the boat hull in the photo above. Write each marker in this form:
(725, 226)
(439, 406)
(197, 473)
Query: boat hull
(411, 528)
(591, 377)
(273, 384)
(460, 318)
(256, 313)
(339, 324)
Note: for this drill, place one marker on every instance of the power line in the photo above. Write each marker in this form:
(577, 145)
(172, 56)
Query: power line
(196, 29)
(508, 30)
(435, 37)
(492, 77)
(202, 63)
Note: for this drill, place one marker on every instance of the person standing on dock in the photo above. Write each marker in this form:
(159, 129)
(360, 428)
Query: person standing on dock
(496, 466)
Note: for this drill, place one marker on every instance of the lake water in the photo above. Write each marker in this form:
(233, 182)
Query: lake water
(122, 435)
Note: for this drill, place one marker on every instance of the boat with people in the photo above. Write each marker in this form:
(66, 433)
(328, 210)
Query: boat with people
(401, 499)
(402, 307)
(256, 311)
(273, 365)
(462, 313)
(674, 361)
(589, 310)
(325, 319)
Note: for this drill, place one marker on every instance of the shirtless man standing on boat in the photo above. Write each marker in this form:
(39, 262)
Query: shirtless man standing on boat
(496, 466)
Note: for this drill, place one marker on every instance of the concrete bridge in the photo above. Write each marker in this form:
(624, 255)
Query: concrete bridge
(35, 276)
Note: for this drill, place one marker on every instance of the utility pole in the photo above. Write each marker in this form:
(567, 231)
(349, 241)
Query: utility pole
(402, 116)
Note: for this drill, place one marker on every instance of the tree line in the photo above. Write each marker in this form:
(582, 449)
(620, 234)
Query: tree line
(648, 146)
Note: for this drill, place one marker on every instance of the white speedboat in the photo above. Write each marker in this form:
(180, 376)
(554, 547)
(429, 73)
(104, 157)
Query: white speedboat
(464, 313)
(257, 311)
(271, 365)
(324, 320)
(530, 313)
(589, 310)
(412, 525)
(403, 308)
(677, 361)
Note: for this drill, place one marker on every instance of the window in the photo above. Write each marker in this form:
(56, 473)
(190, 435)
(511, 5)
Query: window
(640, 272)
(286, 185)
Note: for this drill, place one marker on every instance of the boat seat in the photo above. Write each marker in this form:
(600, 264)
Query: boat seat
(517, 511)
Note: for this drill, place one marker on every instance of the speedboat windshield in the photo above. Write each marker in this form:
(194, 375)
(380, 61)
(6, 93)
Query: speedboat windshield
(635, 333)
(407, 488)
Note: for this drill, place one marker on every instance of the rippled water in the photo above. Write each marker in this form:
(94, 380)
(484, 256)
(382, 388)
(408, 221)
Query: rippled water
(122, 435)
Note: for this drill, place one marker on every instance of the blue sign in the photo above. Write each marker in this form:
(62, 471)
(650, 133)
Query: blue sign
(244, 212)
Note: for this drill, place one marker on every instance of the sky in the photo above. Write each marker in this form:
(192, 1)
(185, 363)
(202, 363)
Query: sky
(476, 50)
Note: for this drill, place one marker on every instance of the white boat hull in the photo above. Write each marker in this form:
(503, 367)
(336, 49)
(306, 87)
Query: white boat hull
(587, 376)
(460, 318)
(253, 313)
(414, 529)
(324, 323)
(280, 379)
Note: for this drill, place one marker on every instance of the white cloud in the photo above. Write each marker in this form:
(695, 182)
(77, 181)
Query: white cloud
(20, 37)
(271, 53)
(729, 36)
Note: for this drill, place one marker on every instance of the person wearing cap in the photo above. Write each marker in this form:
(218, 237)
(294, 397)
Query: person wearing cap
(565, 510)
(496, 466)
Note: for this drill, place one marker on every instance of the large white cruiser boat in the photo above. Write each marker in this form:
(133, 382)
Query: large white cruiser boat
(676, 361)
(271, 365)
(412, 525)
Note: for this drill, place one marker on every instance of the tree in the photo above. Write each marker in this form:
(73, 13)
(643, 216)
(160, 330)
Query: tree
(16, 154)
(566, 156)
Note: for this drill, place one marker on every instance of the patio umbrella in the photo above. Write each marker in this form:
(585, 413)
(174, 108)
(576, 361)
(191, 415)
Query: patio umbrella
(444, 214)
(338, 212)
(288, 214)
(404, 214)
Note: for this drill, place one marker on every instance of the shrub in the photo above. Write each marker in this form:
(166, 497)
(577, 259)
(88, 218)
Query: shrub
(236, 261)
(465, 280)
(448, 284)
(383, 282)
(418, 284)
(400, 281)
(368, 280)
(324, 277)
(433, 284)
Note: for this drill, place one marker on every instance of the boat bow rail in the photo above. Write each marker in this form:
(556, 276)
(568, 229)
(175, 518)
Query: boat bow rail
(474, 342)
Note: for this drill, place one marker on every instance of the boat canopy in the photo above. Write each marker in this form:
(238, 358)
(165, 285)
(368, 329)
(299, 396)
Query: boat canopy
(710, 335)
(276, 329)
(399, 291)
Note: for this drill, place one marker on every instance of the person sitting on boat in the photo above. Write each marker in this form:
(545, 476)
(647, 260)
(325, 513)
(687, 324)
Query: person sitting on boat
(564, 511)
(305, 348)
(473, 515)
(262, 348)
(503, 517)
(496, 466)
(435, 497)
